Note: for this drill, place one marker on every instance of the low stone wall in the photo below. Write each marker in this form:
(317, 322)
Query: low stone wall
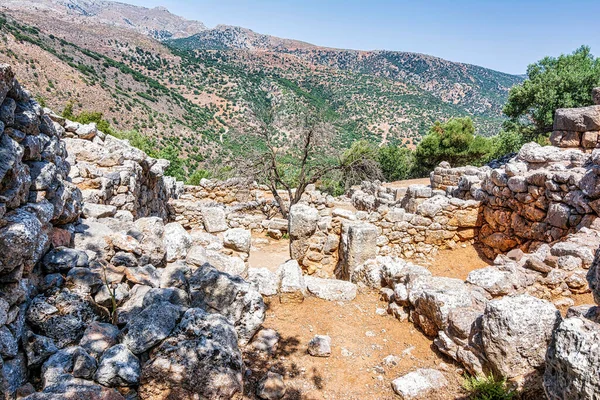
(428, 221)
(443, 177)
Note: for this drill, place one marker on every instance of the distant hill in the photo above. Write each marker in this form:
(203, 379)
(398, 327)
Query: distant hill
(193, 88)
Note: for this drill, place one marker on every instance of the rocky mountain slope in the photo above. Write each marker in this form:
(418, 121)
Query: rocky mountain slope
(202, 87)
(156, 22)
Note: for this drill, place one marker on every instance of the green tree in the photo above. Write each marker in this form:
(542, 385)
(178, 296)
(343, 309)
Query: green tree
(396, 162)
(565, 81)
(453, 141)
(175, 169)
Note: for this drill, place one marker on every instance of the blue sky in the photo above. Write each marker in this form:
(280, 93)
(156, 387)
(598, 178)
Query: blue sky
(504, 35)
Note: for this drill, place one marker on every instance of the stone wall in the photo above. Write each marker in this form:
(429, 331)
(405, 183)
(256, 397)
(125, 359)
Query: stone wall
(444, 177)
(37, 206)
(577, 127)
(113, 175)
(424, 222)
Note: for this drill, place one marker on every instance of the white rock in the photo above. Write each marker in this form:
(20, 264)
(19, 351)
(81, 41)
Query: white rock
(419, 384)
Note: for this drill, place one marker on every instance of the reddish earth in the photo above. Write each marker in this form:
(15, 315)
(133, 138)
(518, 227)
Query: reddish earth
(361, 339)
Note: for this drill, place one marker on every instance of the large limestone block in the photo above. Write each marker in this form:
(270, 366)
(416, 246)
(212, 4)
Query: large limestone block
(580, 119)
(214, 219)
(516, 332)
(303, 221)
(292, 286)
(358, 244)
(573, 361)
(331, 289)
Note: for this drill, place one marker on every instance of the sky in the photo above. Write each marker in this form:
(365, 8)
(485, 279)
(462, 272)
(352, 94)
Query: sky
(503, 35)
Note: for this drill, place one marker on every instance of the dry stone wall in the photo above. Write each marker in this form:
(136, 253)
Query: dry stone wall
(417, 226)
(38, 204)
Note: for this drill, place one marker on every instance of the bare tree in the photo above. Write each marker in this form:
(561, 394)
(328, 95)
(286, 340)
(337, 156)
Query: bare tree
(291, 151)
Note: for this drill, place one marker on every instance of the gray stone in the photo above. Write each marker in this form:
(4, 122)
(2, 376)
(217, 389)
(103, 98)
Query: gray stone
(175, 296)
(133, 305)
(176, 241)
(38, 348)
(238, 239)
(265, 281)
(8, 343)
(320, 346)
(419, 384)
(150, 327)
(292, 287)
(91, 210)
(118, 367)
(331, 289)
(232, 265)
(72, 388)
(231, 296)
(214, 219)
(572, 364)
(63, 316)
(516, 332)
(196, 256)
(303, 221)
(271, 387)
(580, 119)
(62, 259)
(266, 340)
(203, 350)
(98, 337)
(357, 245)
(73, 360)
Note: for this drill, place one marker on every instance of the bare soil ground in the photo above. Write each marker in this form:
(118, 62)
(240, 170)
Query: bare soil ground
(361, 339)
(407, 183)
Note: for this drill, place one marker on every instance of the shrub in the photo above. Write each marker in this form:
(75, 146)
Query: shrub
(487, 388)
(396, 163)
(197, 176)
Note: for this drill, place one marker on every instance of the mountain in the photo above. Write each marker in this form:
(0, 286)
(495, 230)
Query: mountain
(196, 89)
(156, 22)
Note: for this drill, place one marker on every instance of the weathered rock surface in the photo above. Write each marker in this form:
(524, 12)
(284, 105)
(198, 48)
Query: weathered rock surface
(203, 350)
(419, 384)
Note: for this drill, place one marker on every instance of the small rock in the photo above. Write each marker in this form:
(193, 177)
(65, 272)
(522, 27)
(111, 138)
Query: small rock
(271, 387)
(419, 384)
(320, 346)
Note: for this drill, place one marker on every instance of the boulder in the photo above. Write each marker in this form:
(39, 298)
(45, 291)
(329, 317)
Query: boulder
(203, 350)
(238, 239)
(303, 221)
(331, 289)
(150, 326)
(232, 265)
(91, 210)
(420, 384)
(265, 281)
(580, 119)
(572, 361)
(62, 259)
(516, 332)
(98, 337)
(63, 316)
(74, 361)
(118, 367)
(176, 241)
(593, 277)
(214, 219)
(265, 340)
(231, 296)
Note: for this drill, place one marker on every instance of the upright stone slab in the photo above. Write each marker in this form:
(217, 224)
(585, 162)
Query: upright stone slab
(214, 219)
(302, 225)
(358, 244)
(292, 288)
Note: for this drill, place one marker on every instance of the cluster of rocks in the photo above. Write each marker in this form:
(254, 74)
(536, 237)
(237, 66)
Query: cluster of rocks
(444, 176)
(335, 241)
(369, 196)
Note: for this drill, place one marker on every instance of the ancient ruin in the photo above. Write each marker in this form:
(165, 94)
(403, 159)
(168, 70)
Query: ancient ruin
(117, 282)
